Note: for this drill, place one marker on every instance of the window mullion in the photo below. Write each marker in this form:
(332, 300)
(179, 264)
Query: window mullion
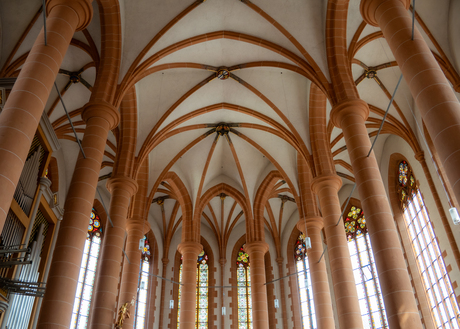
(310, 313)
(83, 284)
(364, 283)
(375, 280)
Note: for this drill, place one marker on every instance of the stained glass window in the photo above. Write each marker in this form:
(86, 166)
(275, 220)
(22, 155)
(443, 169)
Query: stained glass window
(436, 281)
(202, 276)
(364, 271)
(305, 289)
(142, 290)
(243, 276)
(87, 274)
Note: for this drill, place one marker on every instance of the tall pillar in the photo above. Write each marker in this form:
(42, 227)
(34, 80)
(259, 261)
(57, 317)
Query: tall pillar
(397, 292)
(346, 297)
(105, 295)
(280, 261)
(57, 306)
(189, 252)
(222, 263)
(130, 277)
(165, 261)
(430, 89)
(21, 115)
(319, 279)
(256, 251)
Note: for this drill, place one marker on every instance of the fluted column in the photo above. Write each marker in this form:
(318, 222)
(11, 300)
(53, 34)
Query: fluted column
(136, 229)
(348, 311)
(397, 291)
(105, 295)
(430, 89)
(21, 115)
(189, 252)
(256, 251)
(319, 279)
(58, 302)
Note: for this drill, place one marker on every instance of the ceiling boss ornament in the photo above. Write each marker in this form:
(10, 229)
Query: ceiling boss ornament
(223, 74)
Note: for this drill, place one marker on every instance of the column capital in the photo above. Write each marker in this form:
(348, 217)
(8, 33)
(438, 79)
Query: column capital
(350, 106)
(101, 109)
(82, 8)
(256, 246)
(222, 261)
(419, 156)
(135, 224)
(122, 182)
(165, 261)
(369, 7)
(311, 222)
(279, 260)
(44, 182)
(321, 181)
(189, 246)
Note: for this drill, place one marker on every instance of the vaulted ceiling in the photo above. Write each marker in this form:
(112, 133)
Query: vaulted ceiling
(221, 89)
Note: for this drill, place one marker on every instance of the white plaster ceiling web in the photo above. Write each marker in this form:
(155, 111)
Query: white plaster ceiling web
(227, 91)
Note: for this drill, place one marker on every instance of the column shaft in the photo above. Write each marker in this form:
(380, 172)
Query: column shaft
(21, 115)
(256, 252)
(58, 302)
(189, 252)
(106, 292)
(346, 297)
(319, 279)
(394, 279)
(430, 89)
(130, 275)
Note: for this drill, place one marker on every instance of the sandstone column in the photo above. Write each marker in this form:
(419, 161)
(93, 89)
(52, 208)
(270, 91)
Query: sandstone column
(256, 251)
(430, 89)
(58, 301)
(21, 115)
(394, 279)
(104, 302)
(348, 311)
(319, 279)
(130, 278)
(189, 252)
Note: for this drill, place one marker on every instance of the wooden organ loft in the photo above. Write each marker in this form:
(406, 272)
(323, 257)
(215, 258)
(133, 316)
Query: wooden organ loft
(27, 239)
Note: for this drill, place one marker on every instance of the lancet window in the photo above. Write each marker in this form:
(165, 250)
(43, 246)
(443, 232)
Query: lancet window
(87, 274)
(202, 292)
(142, 291)
(436, 281)
(307, 305)
(243, 276)
(364, 271)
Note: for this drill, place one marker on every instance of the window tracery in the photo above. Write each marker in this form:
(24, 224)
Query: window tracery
(436, 281)
(364, 271)
(307, 305)
(243, 277)
(87, 274)
(142, 291)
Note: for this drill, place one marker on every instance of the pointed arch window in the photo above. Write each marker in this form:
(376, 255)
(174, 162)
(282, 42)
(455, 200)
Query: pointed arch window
(305, 288)
(87, 274)
(202, 278)
(364, 271)
(436, 281)
(142, 290)
(243, 276)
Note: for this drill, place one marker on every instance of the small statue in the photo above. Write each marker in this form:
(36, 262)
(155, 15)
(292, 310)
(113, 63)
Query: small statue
(123, 313)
